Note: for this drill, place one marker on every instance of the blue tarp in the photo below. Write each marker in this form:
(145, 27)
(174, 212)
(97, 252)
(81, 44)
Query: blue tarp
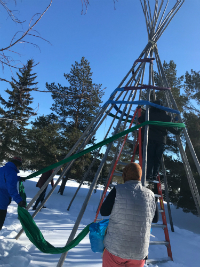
(142, 102)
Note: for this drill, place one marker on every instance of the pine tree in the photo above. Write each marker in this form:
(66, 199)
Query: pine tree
(185, 201)
(192, 121)
(76, 105)
(175, 83)
(173, 163)
(192, 89)
(17, 109)
(45, 146)
(184, 90)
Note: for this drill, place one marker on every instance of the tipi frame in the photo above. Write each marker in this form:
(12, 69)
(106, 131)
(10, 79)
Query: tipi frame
(156, 23)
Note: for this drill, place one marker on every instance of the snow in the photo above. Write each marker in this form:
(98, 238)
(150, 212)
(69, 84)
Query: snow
(56, 224)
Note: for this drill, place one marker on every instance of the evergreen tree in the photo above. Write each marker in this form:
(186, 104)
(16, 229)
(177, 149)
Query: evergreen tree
(175, 83)
(185, 201)
(184, 91)
(192, 89)
(17, 109)
(173, 163)
(76, 105)
(45, 146)
(192, 121)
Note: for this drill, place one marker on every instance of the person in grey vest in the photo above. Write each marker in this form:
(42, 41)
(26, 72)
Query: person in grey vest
(132, 209)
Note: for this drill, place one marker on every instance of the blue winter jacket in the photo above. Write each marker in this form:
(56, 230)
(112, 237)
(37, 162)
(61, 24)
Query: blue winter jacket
(8, 185)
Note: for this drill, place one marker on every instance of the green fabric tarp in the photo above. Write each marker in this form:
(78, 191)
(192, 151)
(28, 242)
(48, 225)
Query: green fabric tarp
(28, 224)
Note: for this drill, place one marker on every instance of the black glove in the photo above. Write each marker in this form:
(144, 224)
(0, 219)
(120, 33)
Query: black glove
(22, 179)
(179, 131)
(22, 204)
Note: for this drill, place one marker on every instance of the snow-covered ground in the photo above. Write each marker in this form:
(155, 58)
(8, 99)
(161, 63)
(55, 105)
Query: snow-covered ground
(56, 224)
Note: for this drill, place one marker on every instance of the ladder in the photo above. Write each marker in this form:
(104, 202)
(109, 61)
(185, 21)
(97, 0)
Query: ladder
(166, 242)
(163, 226)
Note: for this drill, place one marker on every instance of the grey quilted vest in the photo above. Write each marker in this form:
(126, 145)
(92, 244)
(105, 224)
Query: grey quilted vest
(128, 232)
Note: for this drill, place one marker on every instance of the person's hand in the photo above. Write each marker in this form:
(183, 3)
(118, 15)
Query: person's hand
(22, 204)
(179, 131)
(176, 118)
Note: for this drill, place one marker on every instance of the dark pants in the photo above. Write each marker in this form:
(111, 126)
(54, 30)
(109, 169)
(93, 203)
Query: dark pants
(2, 217)
(154, 155)
(41, 197)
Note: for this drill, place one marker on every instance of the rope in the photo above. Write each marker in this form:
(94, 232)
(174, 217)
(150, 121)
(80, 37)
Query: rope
(149, 60)
(112, 115)
(118, 109)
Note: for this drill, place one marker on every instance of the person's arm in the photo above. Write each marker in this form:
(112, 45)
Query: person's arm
(141, 119)
(11, 182)
(108, 203)
(174, 131)
(52, 182)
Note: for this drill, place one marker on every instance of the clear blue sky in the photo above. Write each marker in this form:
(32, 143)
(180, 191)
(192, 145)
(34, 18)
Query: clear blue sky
(109, 39)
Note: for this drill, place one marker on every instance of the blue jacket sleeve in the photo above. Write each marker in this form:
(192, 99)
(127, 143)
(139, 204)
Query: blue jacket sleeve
(11, 182)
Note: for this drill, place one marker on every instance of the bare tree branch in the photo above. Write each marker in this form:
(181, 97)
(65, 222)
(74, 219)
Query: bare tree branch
(86, 3)
(29, 29)
(10, 12)
(30, 34)
(26, 42)
(115, 3)
(8, 64)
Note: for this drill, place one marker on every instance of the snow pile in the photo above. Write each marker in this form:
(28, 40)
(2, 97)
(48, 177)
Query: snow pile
(11, 252)
(56, 224)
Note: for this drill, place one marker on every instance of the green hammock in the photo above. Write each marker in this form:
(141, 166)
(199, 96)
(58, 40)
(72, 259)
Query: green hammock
(36, 237)
(28, 224)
